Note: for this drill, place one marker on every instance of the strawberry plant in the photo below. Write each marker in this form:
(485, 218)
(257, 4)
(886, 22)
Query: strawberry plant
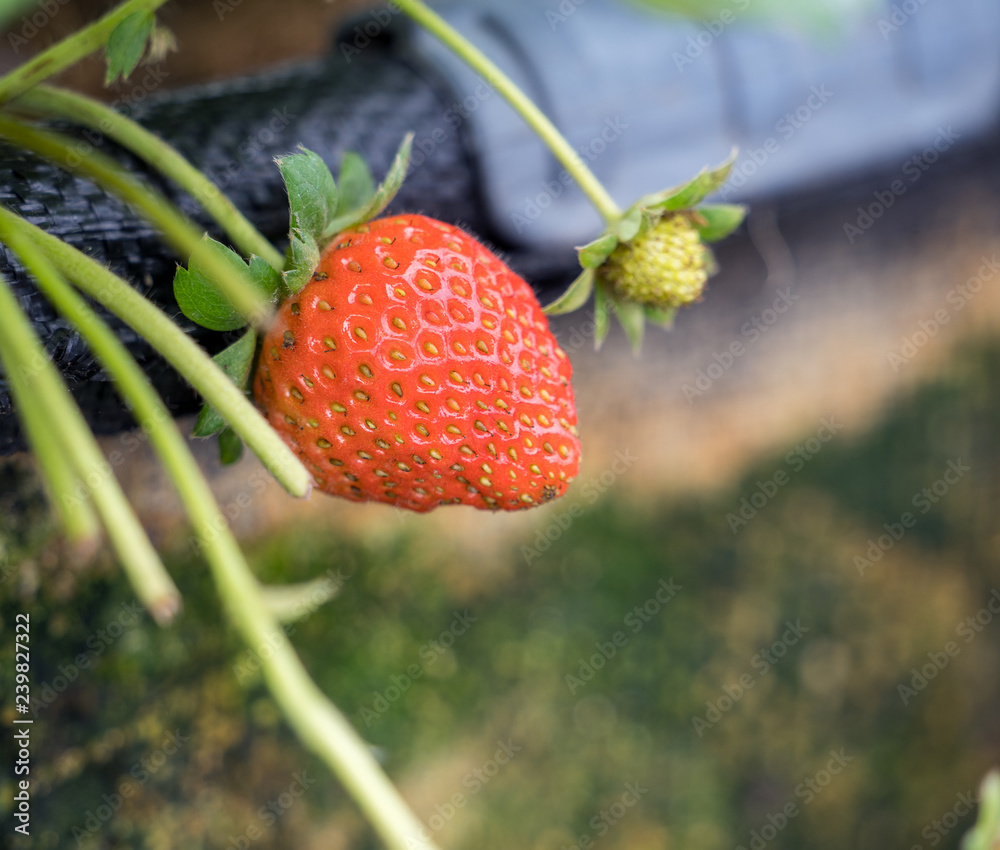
(392, 359)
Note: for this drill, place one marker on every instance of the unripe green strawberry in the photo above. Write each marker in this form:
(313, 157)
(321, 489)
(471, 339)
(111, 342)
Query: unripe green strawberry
(663, 267)
(415, 368)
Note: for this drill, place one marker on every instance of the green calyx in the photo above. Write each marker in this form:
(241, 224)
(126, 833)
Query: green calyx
(654, 258)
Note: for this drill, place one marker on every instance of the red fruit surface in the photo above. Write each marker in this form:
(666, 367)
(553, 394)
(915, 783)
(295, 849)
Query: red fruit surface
(416, 369)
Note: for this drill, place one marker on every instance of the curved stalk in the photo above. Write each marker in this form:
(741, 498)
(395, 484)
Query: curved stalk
(29, 371)
(318, 723)
(61, 55)
(532, 115)
(78, 157)
(50, 102)
(178, 349)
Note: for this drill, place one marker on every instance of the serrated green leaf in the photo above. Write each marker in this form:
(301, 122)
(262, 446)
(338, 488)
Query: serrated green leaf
(628, 225)
(661, 316)
(235, 361)
(126, 44)
(633, 320)
(985, 835)
(304, 257)
(383, 196)
(267, 279)
(721, 220)
(602, 318)
(230, 447)
(356, 184)
(593, 254)
(575, 296)
(312, 192)
(201, 300)
(694, 191)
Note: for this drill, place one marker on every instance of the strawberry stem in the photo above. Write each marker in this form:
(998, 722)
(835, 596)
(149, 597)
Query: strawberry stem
(177, 348)
(318, 723)
(178, 230)
(70, 50)
(52, 102)
(29, 370)
(533, 116)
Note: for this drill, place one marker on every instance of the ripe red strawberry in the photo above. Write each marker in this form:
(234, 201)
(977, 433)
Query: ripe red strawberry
(416, 369)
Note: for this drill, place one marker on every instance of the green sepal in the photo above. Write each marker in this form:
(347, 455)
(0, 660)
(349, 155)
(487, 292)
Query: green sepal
(632, 318)
(356, 184)
(312, 192)
(268, 280)
(985, 835)
(593, 254)
(575, 296)
(230, 447)
(661, 316)
(235, 361)
(381, 199)
(627, 227)
(694, 191)
(201, 300)
(126, 44)
(708, 258)
(302, 258)
(602, 314)
(720, 220)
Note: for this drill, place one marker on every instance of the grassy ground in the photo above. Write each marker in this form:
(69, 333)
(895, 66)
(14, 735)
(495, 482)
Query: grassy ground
(652, 679)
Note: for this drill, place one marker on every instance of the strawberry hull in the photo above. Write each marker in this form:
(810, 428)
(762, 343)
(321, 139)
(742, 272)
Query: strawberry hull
(416, 369)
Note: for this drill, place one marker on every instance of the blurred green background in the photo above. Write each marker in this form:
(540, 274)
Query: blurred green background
(462, 686)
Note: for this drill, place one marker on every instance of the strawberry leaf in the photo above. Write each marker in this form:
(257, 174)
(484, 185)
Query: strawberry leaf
(267, 279)
(628, 225)
(382, 198)
(633, 319)
(602, 318)
(575, 296)
(356, 184)
(235, 361)
(694, 191)
(230, 447)
(593, 254)
(201, 300)
(304, 257)
(312, 193)
(720, 220)
(126, 44)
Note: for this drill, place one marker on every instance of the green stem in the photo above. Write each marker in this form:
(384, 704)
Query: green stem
(60, 103)
(534, 117)
(79, 522)
(64, 53)
(179, 350)
(29, 371)
(70, 50)
(78, 157)
(318, 723)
